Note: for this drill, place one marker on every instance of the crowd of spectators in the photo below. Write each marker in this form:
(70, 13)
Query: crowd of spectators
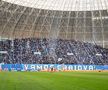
(38, 51)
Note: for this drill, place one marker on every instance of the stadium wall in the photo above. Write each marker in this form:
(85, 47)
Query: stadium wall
(46, 67)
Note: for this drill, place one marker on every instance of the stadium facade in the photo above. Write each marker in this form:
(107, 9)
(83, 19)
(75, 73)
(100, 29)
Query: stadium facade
(84, 20)
(80, 20)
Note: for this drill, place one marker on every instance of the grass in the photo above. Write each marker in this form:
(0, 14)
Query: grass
(54, 81)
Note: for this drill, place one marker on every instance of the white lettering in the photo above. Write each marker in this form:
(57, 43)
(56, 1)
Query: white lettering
(33, 67)
(75, 67)
(59, 67)
(90, 67)
(45, 67)
(85, 67)
(25, 67)
(79, 67)
(70, 67)
(39, 67)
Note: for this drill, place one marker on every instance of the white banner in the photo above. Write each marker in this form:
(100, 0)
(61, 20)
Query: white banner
(3, 52)
(69, 54)
(38, 53)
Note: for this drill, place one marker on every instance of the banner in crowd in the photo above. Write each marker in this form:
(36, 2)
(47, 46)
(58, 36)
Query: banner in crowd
(37, 67)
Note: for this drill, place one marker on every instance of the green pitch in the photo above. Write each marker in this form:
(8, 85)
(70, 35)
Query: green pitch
(54, 81)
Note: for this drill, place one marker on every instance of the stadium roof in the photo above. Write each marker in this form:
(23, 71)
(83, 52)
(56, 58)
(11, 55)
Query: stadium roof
(64, 5)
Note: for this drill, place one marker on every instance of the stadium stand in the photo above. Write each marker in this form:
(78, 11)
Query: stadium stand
(32, 50)
(73, 35)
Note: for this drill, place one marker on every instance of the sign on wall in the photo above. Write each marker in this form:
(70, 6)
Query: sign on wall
(36, 67)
